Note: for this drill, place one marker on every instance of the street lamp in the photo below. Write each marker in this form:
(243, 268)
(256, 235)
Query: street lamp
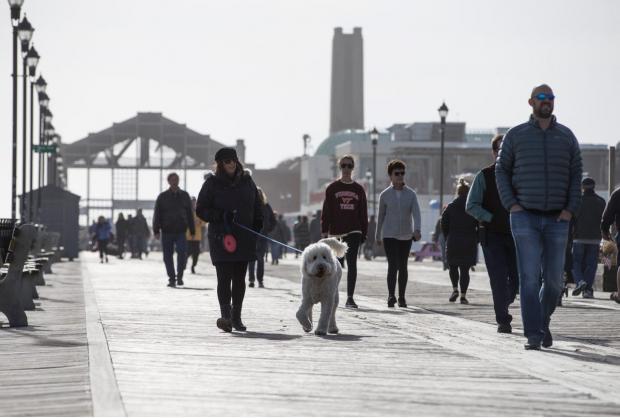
(374, 138)
(24, 31)
(44, 102)
(16, 6)
(443, 113)
(368, 178)
(32, 59)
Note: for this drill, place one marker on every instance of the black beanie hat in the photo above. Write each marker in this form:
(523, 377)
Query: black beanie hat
(588, 182)
(226, 154)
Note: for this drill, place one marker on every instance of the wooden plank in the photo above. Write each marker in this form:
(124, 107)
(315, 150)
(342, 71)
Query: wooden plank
(170, 359)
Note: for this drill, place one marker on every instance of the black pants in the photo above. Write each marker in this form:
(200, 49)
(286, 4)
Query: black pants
(501, 259)
(397, 253)
(353, 241)
(120, 241)
(463, 278)
(232, 273)
(258, 265)
(193, 249)
(103, 247)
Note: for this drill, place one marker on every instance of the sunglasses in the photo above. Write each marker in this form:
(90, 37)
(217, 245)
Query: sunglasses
(228, 161)
(398, 173)
(346, 166)
(544, 96)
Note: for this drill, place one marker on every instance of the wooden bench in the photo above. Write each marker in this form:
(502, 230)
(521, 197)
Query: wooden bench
(15, 292)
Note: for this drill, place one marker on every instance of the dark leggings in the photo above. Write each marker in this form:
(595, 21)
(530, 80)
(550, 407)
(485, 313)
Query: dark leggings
(227, 274)
(464, 277)
(103, 247)
(193, 249)
(353, 241)
(397, 253)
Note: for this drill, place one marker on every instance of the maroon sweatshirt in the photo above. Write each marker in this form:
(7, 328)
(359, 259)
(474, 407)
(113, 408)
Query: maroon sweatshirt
(344, 209)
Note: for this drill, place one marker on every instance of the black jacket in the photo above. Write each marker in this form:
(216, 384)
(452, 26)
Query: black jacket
(221, 195)
(611, 215)
(461, 232)
(122, 228)
(589, 216)
(269, 224)
(173, 214)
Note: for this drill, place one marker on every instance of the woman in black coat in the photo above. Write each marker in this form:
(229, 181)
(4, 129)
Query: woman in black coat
(227, 198)
(461, 233)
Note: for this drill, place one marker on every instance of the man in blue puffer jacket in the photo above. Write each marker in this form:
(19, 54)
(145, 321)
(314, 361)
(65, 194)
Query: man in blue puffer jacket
(538, 173)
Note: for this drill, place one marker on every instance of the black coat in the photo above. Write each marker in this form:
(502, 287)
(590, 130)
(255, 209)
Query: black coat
(461, 232)
(269, 223)
(219, 195)
(172, 215)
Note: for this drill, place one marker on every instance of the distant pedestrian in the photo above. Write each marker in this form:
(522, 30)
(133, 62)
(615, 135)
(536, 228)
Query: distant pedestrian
(257, 268)
(303, 233)
(278, 233)
(399, 223)
(131, 235)
(193, 241)
(611, 215)
(173, 215)
(315, 227)
(538, 175)
(103, 234)
(345, 216)
(500, 255)
(121, 234)
(229, 198)
(287, 232)
(369, 245)
(587, 239)
(141, 234)
(461, 232)
(296, 234)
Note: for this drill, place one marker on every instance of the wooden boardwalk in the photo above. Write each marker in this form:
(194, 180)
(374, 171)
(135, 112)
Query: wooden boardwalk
(169, 358)
(166, 357)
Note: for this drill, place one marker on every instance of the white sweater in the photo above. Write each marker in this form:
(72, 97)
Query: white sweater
(398, 217)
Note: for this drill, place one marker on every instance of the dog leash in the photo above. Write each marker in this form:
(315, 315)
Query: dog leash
(266, 237)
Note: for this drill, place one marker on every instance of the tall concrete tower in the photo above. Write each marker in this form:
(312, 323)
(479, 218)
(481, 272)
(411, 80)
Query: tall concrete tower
(347, 98)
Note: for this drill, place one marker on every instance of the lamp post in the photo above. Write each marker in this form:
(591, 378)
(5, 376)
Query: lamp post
(41, 86)
(374, 138)
(32, 59)
(16, 6)
(48, 132)
(24, 31)
(443, 113)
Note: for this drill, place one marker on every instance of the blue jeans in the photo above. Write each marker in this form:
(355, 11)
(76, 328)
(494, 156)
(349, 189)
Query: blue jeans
(585, 259)
(501, 261)
(540, 241)
(168, 243)
(276, 251)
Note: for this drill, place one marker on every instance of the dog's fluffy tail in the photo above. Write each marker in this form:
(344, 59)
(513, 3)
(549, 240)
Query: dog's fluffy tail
(338, 247)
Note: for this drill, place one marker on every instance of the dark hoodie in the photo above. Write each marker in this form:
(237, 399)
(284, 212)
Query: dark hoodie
(221, 194)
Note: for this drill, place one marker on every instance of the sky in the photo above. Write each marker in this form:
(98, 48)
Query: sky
(260, 69)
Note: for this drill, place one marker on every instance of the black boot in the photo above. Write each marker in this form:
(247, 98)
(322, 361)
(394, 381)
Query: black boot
(224, 323)
(236, 318)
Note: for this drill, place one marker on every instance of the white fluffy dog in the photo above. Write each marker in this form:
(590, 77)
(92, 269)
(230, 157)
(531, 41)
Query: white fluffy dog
(320, 277)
